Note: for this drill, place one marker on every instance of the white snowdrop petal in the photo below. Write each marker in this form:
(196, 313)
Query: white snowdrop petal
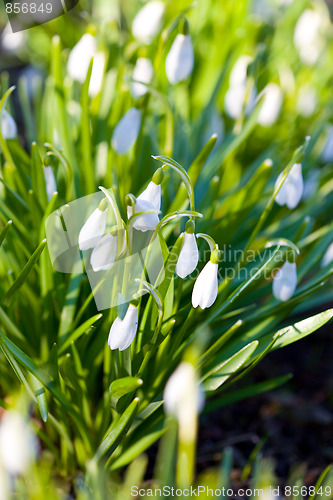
(183, 395)
(104, 254)
(97, 74)
(206, 286)
(307, 36)
(285, 281)
(188, 256)
(12, 42)
(18, 445)
(123, 331)
(126, 131)
(180, 59)
(144, 222)
(271, 105)
(80, 57)
(92, 230)
(50, 182)
(8, 125)
(148, 21)
(152, 194)
(143, 72)
(291, 191)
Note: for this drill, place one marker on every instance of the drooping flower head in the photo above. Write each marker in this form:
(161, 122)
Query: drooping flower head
(271, 105)
(238, 97)
(94, 228)
(123, 331)
(205, 287)
(180, 59)
(184, 399)
(104, 253)
(50, 181)
(285, 281)
(148, 201)
(8, 125)
(291, 191)
(18, 444)
(80, 57)
(143, 72)
(126, 131)
(148, 21)
(189, 254)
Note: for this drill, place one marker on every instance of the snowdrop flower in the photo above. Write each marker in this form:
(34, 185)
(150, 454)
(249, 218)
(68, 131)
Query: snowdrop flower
(97, 74)
(327, 153)
(285, 281)
(184, 399)
(308, 37)
(80, 57)
(12, 42)
(18, 445)
(8, 125)
(143, 72)
(206, 285)
(328, 256)
(146, 221)
(291, 190)
(105, 252)
(126, 131)
(148, 200)
(50, 182)
(271, 105)
(180, 59)
(307, 101)
(94, 228)
(148, 21)
(123, 331)
(189, 254)
(238, 95)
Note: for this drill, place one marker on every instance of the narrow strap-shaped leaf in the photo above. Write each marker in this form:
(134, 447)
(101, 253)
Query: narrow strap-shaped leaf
(78, 332)
(220, 373)
(24, 273)
(117, 431)
(5, 230)
(246, 392)
(41, 397)
(89, 179)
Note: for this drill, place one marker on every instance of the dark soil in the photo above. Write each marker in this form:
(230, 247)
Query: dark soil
(293, 423)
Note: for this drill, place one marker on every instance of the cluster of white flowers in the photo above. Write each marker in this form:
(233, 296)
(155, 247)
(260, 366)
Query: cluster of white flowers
(290, 194)
(143, 215)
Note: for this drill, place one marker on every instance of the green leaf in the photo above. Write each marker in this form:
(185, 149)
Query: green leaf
(5, 230)
(247, 392)
(89, 179)
(136, 449)
(24, 273)
(41, 397)
(117, 431)
(122, 386)
(78, 332)
(220, 373)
